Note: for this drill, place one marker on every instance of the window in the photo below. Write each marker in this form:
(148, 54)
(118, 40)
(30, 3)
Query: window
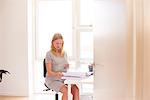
(72, 18)
(53, 16)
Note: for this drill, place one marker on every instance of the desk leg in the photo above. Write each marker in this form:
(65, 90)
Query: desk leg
(69, 92)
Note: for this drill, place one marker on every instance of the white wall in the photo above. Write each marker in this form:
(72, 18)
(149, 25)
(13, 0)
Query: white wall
(15, 48)
(0, 34)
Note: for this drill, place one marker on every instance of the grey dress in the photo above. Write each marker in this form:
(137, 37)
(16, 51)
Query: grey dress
(57, 66)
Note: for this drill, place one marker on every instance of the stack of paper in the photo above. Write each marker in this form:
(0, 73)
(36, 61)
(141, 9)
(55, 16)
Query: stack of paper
(77, 74)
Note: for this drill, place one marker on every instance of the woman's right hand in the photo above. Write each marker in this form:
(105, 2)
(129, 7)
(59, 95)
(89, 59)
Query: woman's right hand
(66, 66)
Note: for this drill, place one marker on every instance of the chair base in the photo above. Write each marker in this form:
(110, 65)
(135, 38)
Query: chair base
(56, 94)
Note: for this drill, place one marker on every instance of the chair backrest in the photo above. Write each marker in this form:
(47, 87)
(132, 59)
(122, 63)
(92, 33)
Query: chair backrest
(44, 68)
(44, 74)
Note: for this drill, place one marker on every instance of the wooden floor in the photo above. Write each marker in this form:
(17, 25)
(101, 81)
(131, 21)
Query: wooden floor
(13, 98)
(41, 97)
(33, 97)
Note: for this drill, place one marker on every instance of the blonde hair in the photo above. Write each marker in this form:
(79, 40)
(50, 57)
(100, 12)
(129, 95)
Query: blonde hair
(53, 49)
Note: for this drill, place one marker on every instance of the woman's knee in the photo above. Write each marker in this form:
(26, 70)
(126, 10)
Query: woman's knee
(74, 89)
(64, 89)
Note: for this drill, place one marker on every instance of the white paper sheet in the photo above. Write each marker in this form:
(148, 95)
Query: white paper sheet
(77, 74)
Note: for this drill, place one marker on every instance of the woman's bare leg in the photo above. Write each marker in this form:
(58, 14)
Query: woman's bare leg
(64, 91)
(75, 92)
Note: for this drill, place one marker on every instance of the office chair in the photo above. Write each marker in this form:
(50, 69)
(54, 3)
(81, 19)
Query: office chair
(44, 74)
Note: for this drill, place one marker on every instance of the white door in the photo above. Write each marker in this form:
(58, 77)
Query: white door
(112, 51)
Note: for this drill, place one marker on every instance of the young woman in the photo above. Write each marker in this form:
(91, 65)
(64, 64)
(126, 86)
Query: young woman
(56, 63)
